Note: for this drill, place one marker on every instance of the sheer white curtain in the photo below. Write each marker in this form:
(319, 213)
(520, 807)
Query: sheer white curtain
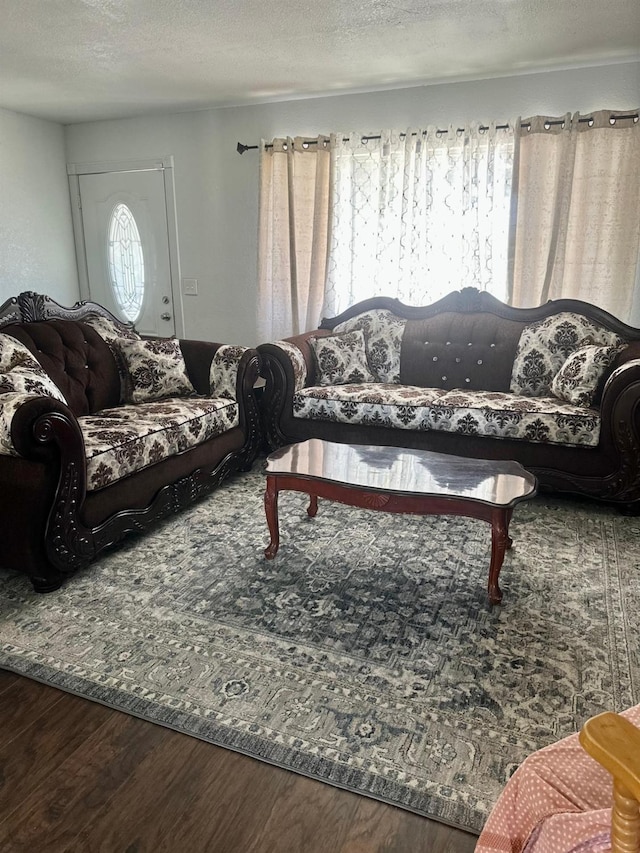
(578, 211)
(417, 215)
(292, 235)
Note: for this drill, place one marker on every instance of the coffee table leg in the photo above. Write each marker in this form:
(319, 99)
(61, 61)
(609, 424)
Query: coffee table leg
(499, 543)
(509, 539)
(271, 511)
(312, 509)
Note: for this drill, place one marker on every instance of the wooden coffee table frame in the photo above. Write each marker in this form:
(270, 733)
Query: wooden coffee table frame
(498, 517)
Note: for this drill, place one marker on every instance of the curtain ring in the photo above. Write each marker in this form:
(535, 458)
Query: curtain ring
(590, 122)
(612, 120)
(547, 125)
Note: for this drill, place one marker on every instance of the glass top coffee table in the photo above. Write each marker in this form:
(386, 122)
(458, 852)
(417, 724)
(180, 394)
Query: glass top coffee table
(395, 479)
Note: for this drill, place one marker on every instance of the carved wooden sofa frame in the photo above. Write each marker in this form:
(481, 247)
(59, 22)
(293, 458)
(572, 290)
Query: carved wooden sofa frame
(609, 472)
(51, 525)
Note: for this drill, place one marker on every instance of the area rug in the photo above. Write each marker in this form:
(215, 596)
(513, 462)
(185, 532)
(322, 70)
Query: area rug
(366, 654)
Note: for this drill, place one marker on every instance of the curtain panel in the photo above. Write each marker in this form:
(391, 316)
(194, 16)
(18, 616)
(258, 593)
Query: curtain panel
(541, 209)
(293, 228)
(578, 211)
(415, 215)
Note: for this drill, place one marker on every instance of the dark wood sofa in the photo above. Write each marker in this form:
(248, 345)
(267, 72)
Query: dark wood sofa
(456, 351)
(54, 519)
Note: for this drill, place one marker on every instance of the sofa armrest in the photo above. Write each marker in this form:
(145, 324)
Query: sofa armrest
(19, 415)
(620, 429)
(287, 366)
(629, 353)
(44, 432)
(228, 368)
(234, 373)
(295, 357)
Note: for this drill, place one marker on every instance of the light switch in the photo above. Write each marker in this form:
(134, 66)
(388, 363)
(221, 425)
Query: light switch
(190, 286)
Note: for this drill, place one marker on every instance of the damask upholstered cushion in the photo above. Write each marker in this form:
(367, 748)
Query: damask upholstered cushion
(545, 346)
(156, 369)
(112, 334)
(21, 377)
(578, 379)
(23, 380)
(110, 331)
(298, 364)
(341, 359)
(383, 341)
(21, 373)
(544, 420)
(223, 374)
(123, 440)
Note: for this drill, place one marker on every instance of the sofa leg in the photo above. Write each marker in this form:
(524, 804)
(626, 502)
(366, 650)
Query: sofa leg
(47, 584)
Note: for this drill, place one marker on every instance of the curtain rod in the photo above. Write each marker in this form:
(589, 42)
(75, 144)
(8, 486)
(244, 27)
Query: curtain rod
(240, 148)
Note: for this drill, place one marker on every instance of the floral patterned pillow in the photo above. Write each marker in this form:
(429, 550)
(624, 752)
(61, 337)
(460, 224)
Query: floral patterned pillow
(22, 380)
(545, 346)
(341, 359)
(21, 372)
(383, 332)
(109, 331)
(579, 377)
(112, 334)
(156, 369)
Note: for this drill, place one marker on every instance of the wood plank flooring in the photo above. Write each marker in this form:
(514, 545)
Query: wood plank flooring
(76, 777)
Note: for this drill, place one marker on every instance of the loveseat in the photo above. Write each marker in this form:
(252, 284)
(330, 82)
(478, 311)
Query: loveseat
(556, 387)
(103, 432)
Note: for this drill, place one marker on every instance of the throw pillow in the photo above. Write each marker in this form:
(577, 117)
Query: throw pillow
(545, 345)
(109, 330)
(341, 359)
(112, 333)
(21, 372)
(24, 380)
(578, 379)
(382, 339)
(156, 369)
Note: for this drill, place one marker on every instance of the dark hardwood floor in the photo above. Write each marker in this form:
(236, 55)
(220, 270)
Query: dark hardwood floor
(76, 776)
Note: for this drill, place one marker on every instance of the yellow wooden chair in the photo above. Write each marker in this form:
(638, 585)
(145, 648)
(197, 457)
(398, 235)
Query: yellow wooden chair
(530, 813)
(615, 744)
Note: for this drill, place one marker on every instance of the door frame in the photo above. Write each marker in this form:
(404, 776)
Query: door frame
(158, 164)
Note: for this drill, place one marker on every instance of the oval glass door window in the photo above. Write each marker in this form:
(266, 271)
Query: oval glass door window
(126, 262)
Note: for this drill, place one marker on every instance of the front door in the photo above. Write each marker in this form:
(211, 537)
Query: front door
(125, 237)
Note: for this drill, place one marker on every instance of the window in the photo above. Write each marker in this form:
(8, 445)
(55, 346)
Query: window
(126, 262)
(419, 214)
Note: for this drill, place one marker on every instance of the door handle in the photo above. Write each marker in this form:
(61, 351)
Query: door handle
(165, 316)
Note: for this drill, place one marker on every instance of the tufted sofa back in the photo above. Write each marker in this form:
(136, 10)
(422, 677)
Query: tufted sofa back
(473, 351)
(76, 358)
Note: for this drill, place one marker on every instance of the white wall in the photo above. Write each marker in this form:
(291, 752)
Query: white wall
(36, 235)
(217, 189)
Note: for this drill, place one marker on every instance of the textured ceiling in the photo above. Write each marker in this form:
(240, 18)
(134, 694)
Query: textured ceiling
(78, 60)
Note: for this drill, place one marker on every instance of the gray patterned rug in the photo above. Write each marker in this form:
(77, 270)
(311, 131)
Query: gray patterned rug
(365, 654)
